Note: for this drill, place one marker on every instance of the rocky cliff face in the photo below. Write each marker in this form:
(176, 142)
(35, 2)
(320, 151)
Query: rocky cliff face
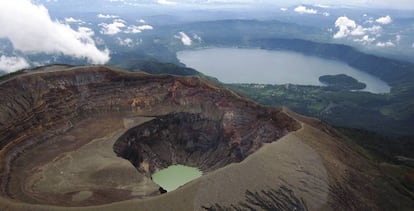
(201, 141)
(86, 136)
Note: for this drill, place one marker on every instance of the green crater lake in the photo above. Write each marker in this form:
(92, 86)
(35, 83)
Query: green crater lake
(175, 176)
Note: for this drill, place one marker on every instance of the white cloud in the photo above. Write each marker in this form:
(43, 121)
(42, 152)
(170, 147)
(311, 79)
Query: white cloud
(113, 28)
(145, 27)
(137, 29)
(73, 20)
(358, 31)
(365, 39)
(141, 21)
(375, 30)
(303, 10)
(166, 2)
(345, 26)
(384, 20)
(119, 25)
(283, 9)
(133, 30)
(326, 14)
(348, 27)
(12, 63)
(322, 6)
(107, 16)
(86, 34)
(186, 40)
(386, 44)
(30, 29)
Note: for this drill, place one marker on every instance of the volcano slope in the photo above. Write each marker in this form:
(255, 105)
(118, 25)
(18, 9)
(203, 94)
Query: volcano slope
(90, 137)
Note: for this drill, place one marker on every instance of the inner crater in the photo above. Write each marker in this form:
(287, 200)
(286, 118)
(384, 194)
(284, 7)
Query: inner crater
(196, 140)
(68, 138)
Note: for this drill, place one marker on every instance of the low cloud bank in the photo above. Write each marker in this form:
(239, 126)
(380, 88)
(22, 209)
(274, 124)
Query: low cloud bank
(73, 20)
(120, 26)
(185, 39)
(107, 16)
(166, 2)
(384, 20)
(12, 63)
(30, 29)
(303, 10)
(386, 44)
(112, 28)
(348, 28)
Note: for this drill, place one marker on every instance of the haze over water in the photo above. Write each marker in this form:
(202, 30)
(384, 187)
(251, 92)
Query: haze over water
(234, 65)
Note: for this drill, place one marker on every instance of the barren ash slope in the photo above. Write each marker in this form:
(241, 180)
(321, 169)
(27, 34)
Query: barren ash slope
(74, 138)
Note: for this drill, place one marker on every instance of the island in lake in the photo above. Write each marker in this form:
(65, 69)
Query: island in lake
(342, 82)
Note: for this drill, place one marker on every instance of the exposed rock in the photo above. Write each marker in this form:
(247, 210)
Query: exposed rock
(197, 123)
(197, 140)
(162, 190)
(61, 132)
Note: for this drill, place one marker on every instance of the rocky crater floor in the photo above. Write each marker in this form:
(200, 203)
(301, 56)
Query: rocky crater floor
(90, 137)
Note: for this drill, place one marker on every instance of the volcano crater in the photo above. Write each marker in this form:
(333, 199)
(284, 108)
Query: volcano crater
(69, 137)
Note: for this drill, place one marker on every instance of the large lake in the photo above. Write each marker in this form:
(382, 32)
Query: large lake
(235, 65)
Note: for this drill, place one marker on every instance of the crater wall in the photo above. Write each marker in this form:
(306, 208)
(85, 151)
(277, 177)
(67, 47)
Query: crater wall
(195, 123)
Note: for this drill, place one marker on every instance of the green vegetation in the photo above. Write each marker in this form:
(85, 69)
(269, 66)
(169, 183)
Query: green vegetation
(388, 114)
(341, 82)
(358, 114)
(362, 110)
(387, 153)
(139, 62)
(154, 67)
(381, 148)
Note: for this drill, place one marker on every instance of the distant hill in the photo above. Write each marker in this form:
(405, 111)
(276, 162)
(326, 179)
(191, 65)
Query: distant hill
(394, 72)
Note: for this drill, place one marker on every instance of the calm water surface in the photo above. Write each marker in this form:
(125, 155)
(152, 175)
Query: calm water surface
(234, 65)
(175, 176)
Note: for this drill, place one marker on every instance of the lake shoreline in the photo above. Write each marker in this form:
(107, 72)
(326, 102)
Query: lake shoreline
(254, 65)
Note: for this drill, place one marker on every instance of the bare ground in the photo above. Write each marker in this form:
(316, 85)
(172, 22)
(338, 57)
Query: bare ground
(289, 162)
(79, 169)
